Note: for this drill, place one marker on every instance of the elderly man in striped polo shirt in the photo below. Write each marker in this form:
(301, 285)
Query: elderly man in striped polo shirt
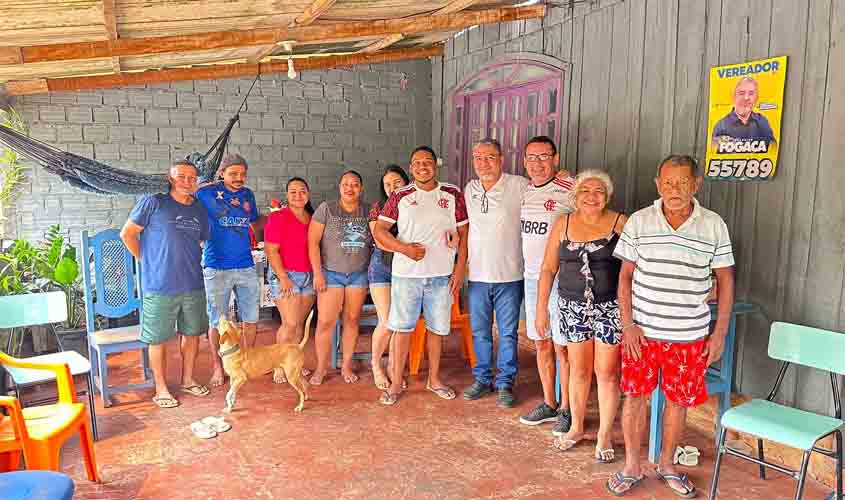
(669, 251)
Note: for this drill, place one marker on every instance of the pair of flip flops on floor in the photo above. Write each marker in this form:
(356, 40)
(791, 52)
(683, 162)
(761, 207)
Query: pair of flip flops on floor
(170, 402)
(607, 456)
(444, 392)
(619, 484)
(210, 427)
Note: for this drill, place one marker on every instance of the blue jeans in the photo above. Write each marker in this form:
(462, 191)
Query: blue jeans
(506, 300)
(219, 286)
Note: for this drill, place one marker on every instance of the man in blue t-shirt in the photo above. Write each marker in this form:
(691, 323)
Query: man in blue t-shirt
(165, 231)
(227, 258)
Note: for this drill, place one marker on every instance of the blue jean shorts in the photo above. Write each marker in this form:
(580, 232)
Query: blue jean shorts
(410, 296)
(378, 273)
(555, 332)
(303, 283)
(335, 279)
(219, 286)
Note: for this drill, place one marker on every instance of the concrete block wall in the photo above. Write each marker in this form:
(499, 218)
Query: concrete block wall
(315, 127)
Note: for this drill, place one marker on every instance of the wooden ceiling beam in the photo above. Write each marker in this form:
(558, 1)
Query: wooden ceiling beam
(383, 43)
(213, 72)
(266, 36)
(456, 6)
(313, 11)
(110, 24)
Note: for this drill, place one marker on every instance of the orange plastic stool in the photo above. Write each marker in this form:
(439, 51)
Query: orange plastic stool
(40, 431)
(459, 321)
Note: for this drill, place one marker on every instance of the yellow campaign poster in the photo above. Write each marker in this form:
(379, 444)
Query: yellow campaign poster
(743, 128)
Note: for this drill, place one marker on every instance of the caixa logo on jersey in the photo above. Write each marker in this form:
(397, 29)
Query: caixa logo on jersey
(534, 227)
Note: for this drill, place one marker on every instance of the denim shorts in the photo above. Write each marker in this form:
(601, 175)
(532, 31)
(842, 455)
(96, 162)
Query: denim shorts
(410, 296)
(335, 279)
(378, 273)
(555, 333)
(162, 315)
(219, 285)
(303, 283)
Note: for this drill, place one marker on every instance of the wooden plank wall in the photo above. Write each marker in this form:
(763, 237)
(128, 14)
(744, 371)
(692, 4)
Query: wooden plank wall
(637, 89)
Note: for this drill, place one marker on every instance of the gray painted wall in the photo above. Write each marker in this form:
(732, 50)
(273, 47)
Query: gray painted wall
(315, 127)
(637, 89)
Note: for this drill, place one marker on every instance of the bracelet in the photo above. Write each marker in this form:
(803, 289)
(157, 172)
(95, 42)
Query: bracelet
(629, 325)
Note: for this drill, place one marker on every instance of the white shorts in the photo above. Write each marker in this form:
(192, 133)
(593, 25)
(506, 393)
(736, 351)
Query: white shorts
(531, 309)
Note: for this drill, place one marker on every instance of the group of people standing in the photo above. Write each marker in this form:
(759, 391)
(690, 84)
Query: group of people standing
(620, 297)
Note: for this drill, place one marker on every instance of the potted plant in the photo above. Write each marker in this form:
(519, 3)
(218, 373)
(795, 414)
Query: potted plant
(47, 267)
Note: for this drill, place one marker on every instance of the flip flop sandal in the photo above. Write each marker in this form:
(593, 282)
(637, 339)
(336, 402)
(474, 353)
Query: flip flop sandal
(195, 390)
(381, 382)
(388, 399)
(607, 456)
(688, 490)
(351, 379)
(443, 392)
(686, 455)
(619, 484)
(306, 372)
(217, 424)
(562, 444)
(165, 402)
(202, 430)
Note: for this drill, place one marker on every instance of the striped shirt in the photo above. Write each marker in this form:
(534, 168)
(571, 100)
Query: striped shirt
(673, 270)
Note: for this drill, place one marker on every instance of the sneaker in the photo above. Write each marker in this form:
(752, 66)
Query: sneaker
(506, 398)
(543, 413)
(477, 390)
(564, 421)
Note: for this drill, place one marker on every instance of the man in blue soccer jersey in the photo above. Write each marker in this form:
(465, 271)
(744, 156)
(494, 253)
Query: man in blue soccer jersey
(227, 257)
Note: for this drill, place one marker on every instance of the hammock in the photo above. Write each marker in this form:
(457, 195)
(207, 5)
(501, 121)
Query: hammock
(95, 177)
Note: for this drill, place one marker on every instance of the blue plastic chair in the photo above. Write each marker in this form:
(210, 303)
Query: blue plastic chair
(20, 311)
(111, 292)
(35, 485)
(766, 419)
(719, 379)
(368, 318)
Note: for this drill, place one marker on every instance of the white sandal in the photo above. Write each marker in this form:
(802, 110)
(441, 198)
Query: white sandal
(203, 430)
(217, 424)
(686, 455)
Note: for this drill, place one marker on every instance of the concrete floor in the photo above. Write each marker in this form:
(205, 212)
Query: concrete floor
(347, 446)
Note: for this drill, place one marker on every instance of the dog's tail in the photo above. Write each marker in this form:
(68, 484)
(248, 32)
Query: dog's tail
(307, 330)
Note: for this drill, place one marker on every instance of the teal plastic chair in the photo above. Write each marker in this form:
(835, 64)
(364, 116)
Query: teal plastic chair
(766, 419)
(111, 291)
(21, 311)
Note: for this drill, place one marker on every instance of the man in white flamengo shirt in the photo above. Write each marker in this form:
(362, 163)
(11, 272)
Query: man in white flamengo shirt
(431, 219)
(545, 199)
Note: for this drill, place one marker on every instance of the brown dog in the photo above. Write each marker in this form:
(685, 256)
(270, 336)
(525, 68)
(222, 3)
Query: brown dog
(242, 364)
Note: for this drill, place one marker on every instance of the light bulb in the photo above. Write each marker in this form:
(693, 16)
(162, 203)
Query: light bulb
(291, 70)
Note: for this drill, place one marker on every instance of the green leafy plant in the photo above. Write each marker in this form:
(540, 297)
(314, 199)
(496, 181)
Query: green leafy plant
(51, 265)
(12, 171)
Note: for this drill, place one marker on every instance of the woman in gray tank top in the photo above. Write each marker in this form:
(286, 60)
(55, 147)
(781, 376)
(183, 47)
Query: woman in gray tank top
(339, 247)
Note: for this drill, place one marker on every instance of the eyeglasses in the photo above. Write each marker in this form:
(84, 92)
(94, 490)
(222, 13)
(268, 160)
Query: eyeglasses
(539, 157)
(485, 205)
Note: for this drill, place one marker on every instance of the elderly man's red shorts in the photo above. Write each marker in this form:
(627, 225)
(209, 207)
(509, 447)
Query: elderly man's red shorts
(683, 366)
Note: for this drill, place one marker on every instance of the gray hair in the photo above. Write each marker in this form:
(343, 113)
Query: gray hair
(746, 79)
(489, 141)
(589, 174)
(680, 161)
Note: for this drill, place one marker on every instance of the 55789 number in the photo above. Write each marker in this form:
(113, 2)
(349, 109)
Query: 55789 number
(740, 169)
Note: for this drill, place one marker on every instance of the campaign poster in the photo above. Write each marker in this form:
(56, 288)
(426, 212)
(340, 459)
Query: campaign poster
(743, 128)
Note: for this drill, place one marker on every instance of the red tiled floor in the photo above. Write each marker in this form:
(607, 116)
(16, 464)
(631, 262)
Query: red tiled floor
(347, 446)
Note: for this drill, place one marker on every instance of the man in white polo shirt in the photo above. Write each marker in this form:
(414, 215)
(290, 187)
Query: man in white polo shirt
(545, 199)
(432, 228)
(669, 251)
(495, 270)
